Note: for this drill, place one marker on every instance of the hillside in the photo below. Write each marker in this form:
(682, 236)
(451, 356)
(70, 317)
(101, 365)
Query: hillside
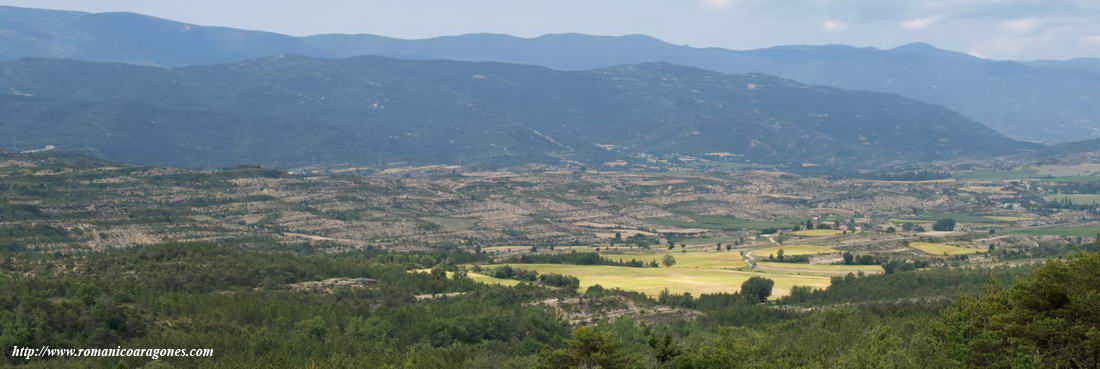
(143, 134)
(366, 109)
(131, 38)
(1050, 101)
(1044, 101)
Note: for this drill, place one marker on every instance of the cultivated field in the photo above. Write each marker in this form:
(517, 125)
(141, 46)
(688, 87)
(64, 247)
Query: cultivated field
(1081, 199)
(1080, 231)
(942, 249)
(793, 250)
(706, 260)
(490, 280)
(817, 232)
(1008, 218)
(678, 280)
(817, 269)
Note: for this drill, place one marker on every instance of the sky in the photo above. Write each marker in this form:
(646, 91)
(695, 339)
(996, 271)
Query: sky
(998, 29)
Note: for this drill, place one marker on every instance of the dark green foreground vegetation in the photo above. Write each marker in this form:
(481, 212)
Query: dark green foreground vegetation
(241, 304)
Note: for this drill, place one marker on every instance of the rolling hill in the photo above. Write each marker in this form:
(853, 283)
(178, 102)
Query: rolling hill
(295, 110)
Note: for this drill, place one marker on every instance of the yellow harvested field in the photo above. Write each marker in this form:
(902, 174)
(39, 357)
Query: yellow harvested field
(817, 232)
(481, 278)
(678, 280)
(942, 249)
(793, 250)
(818, 269)
(705, 260)
(476, 277)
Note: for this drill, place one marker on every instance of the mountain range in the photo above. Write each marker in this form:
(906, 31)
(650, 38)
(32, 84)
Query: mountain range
(295, 110)
(1047, 101)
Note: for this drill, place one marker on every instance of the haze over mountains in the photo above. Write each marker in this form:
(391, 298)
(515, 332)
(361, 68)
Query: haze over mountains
(1049, 101)
(357, 110)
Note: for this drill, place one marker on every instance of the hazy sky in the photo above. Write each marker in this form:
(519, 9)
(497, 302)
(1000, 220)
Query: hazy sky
(1002, 29)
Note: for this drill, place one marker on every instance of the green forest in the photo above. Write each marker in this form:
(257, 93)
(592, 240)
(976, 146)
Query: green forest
(244, 304)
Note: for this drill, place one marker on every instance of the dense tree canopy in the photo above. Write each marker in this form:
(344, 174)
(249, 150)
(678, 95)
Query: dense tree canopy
(1051, 320)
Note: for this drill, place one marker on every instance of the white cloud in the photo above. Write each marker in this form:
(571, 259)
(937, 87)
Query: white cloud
(1025, 25)
(834, 25)
(715, 4)
(921, 22)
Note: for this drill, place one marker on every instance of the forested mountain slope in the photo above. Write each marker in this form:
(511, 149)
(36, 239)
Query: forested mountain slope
(295, 110)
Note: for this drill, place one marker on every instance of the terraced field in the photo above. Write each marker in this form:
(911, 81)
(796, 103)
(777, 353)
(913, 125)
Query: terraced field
(942, 249)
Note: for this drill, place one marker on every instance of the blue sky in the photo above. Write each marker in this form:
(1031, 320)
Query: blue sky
(1001, 29)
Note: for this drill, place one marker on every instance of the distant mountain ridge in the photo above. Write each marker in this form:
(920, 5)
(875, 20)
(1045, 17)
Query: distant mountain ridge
(1048, 101)
(295, 110)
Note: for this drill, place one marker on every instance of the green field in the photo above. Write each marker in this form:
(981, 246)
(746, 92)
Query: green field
(942, 249)
(1008, 218)
(793, 250)
(1080, 231)
(823, 269)
(1082, 199)
(817, 232)
(678, 280)
(706, 260)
